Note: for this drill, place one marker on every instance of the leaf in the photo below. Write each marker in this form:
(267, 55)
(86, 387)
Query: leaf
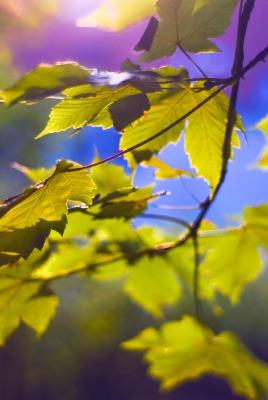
(263, 158)
(186, 25)
(125, 203)
(152, 284)
(20, 300)
(186, 350)
(263, 125)
(33, 174)
(109, 177)
(116, 15)
(262, 162)
(147, 38)
(166, 108)
(205, 134)
(78, 112)
(164, 171)
(44, 81)
(125, 111)
(256, 220)
(200, 3)
(232, 261)
(26, 219)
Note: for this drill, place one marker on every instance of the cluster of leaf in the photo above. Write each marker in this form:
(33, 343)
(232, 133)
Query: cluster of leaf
(94, 211)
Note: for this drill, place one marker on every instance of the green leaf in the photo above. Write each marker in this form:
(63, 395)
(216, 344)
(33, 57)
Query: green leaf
(116, 15)
(44, 81)
(263, 158)
(262, 162)
(124, 203)
(78, 112)
(256, 220)
(109, 177)
(232, 261)
(166, 108)
(186, 350)
(124, 111)
(26, 219)
(152, 284)
(263, 125)
(205, 134)
(19, 300)
(186, 25)
(164, 171)
(33, 174)
(200, 3)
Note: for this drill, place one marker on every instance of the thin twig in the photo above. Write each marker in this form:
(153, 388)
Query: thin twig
(165, 218)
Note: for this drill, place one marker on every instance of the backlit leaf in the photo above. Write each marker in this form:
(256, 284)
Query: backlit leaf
(256, 220)
(19, 301)
(263, 158)
(78, 112)
(26, 219)
(186, 350)
(166, 108)
(205, 134)
(189, 26)
(44, 81)
(232, 261)
(116, 15)
(152, 284)
(164, 171)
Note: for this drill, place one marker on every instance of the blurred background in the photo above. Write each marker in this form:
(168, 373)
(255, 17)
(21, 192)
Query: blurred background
(79, 356)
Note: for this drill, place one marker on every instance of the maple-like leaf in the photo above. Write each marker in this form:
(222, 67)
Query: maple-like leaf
(24, 300)
(153, 284)
(189, 26)
(186, 350)
(232, 261)
(26, 219)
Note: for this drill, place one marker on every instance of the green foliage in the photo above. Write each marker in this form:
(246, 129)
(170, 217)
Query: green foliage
(44, 81)
(263, 159)
(188, 25)
(27, 219)
(185, 350)
(150, 108)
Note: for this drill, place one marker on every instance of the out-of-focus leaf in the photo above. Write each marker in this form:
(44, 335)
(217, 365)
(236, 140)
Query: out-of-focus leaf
(116, 15)
(263, 125)
(232, 261)
(164, 171)
(26, 219)
(35, 175)
(256, 220)
(186, 350)
(125, 203)
(262, 162)
(205, 134)
(44, 81)
(186, 25)
(20, 301)
(152, 284)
